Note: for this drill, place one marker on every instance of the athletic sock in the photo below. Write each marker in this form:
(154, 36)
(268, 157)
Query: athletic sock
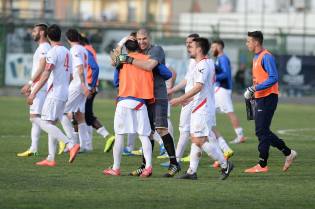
(222, 144)
(89, 141)
(214, 152)
(143, 158)
(83, 134)
(147, 150)
(239, 132)
(102, 131)
(170, 127)
(169, 146)
(117, 150)
(35, 134)
(262, 162)
(195, 155)
(157, 138)
(182, 143)
(67, 126)
(52, 143)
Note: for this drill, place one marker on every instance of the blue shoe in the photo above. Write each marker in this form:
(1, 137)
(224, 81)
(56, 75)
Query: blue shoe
(165, 164)
(127, 152)
(162, 150)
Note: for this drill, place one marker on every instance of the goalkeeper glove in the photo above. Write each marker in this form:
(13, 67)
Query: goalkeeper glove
(249, 92)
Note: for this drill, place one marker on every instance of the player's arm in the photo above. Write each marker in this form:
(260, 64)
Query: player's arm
(35, 77)
(224, 69)
(177, 87)
(43, 79)
(188, 95)
(95, 70)
(82, 80)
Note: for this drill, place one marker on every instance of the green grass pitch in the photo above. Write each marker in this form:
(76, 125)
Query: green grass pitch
(82, 184)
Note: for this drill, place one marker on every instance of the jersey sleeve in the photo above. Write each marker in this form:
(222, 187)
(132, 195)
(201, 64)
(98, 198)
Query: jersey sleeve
(76, 58)
(224, 69)
(43, 52)
(201, 73)
(157, 53)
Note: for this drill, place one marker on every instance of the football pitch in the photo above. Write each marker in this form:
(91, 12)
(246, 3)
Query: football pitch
(82, 184)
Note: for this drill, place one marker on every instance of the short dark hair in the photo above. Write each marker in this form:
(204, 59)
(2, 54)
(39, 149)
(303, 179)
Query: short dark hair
(193, 35)
(73, 35)
(257, 35)
(42, 27)
(84, 40)
(218, 41)
(203, 43)
(132, 45)
(54, 32)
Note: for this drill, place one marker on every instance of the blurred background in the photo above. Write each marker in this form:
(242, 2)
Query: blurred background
(288, 27)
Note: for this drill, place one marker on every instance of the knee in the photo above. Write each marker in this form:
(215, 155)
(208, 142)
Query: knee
(162, 131)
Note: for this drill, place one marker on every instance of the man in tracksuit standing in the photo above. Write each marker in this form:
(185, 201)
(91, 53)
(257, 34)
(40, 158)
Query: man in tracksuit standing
(265, 90)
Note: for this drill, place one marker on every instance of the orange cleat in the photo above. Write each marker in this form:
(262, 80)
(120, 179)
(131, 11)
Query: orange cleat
(216, 164)
(257, 169)
(147, 172)
(47, 163)
(111, 172)
(73, 152)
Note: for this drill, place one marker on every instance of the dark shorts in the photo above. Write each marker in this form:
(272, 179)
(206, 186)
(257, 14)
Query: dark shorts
(89, 114)
(158, 114)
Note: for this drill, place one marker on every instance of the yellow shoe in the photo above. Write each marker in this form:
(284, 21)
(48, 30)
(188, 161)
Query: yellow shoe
(109, 143)
(62, 146)
(27, 153)
(186, 159)
(165, 156)
(137, 152)
(228, 154)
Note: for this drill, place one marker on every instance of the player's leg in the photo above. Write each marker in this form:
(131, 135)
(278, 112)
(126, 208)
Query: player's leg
(237, 128)
(50, 160)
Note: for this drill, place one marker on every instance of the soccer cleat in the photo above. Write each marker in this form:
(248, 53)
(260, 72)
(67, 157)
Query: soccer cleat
(172, 170)
(164, 156)
(216, 164)
(257, 169)
(238, 140)
(127, 152)
(188, 176)
(147, 172)
(109, 143)
(137, 152)
(289, 160)
(27, 153)
(162, 149)
(186, 159)
(73, 152)
(111, 172)
(225, 172)
(228, 154)
(47, 163)
(61, 147)
(137, 172)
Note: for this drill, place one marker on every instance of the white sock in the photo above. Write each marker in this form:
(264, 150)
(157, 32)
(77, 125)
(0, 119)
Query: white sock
(117, 150)
(239, 132)
(181, 145)
(52, 144)
(222, 144)
(53, 130)
(147, 150)
(157, 138)
(213, 151)
(102, 131)
(83, 134)
(131, 141)
(35, 137)
(170, 127)
(67, 126)
(89, 141)
(195, 155)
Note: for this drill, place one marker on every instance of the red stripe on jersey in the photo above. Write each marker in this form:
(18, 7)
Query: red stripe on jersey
(217, 90)
(200, 105)
(49, 66)
(138, 106)
(50, 88)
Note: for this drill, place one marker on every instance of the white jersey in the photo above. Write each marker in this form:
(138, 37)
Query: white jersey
(59, 79)
(189, 73)
(41, 52)
(204, 72)
(79, 56)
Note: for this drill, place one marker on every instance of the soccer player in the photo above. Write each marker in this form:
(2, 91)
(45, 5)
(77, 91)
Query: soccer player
(39, 35)
(78, 90)
(223, 93)
(57, 75)
(158, 110)
(131, 116)
(92, 79)
(202, 117)
(265, 91)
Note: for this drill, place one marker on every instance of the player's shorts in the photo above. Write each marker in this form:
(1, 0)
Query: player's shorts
(201, 124)
(128, 121)
(38, 102)
(76, 102)
(158, 114)
(223, 100)
(184, 120)
(53, 109)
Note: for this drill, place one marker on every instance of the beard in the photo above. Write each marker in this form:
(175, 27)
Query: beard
(215, 53)
(36, 37)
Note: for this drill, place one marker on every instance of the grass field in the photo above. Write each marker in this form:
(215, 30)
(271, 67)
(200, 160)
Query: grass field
(82, 184)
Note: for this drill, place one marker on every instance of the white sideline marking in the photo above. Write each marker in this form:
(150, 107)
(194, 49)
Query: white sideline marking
(297, 132)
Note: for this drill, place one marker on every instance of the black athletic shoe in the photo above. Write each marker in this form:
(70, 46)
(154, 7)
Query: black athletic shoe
(138, 171)
(188, 176)
(225, 172)
(172, 170)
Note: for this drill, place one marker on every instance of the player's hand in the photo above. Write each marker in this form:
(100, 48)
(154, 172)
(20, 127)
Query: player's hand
(249, 92)
(30, 99)
(26, 89)
(86, 91)
(187, 101)
(170, 91)
(125, 59)
(175, 102)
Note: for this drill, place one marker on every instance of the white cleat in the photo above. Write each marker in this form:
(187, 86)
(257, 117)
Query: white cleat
(289, 160)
